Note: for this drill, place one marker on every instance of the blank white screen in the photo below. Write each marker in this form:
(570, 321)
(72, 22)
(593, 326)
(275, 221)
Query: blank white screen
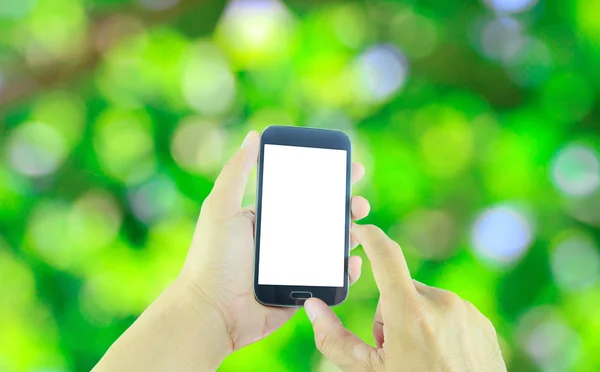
(303, 217)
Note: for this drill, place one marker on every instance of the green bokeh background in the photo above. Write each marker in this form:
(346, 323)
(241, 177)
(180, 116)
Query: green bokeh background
(477, 121)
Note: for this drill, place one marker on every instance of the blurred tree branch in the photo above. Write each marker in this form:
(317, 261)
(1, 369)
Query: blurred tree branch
(25, 82)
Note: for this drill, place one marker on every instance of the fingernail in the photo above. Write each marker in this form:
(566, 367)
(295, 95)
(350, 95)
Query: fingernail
(311, 311)
(247, 139)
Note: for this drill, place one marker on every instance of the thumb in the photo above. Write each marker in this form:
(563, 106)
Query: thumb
(337, 343)
(225, 199)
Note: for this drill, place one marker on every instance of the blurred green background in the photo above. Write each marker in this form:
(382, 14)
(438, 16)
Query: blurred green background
(477, 121)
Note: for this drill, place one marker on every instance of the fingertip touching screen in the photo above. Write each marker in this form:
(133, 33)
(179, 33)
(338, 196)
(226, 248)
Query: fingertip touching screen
(303, 216)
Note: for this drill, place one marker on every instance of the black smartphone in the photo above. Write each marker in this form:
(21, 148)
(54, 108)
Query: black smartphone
(302, 216)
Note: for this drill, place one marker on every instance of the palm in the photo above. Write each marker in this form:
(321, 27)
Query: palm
(233, 270)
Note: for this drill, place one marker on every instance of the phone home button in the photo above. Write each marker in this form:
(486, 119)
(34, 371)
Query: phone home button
(300, 295)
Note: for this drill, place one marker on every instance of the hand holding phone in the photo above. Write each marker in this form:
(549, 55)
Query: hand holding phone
(219, 267)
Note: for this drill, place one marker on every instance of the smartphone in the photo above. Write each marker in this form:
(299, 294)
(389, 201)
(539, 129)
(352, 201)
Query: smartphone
(302, 216)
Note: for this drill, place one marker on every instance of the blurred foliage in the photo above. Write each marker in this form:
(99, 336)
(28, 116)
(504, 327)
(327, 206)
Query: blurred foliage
(477, 123)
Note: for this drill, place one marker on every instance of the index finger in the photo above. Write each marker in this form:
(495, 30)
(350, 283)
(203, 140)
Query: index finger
(389, 266)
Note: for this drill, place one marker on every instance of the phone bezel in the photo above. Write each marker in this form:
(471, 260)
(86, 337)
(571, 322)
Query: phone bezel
(280, 295)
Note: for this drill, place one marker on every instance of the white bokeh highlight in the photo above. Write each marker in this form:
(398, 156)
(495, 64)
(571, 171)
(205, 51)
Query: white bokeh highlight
(208, 83)
(36, 149)
(546, 337)
(382, 71)
(511, 6)
(575, 263)
(254, 20)
(502, 38)
(256, 31)
(198, 146)
(155, 200)
(576, 171)
(501, 234)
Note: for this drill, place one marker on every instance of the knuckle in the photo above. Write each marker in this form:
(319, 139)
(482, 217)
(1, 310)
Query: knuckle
(473, 309)
(445, 303)
(321, 340)
(387, 248)
(470, 306)
(421, 288)
(426, 326)
(449, 299)
(325, 342)
(484, 321)
(395, 276)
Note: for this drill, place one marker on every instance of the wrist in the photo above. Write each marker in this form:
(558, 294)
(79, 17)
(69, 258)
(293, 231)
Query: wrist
(208, 321)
